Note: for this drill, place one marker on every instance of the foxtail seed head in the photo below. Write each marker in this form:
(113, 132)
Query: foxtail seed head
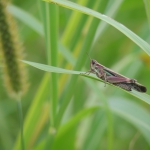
(14, 72)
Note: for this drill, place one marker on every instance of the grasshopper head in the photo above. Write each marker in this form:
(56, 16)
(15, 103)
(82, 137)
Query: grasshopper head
(93, 65)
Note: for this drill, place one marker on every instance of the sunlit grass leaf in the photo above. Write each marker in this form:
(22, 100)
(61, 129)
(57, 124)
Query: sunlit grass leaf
(140, 42)
(51, 68)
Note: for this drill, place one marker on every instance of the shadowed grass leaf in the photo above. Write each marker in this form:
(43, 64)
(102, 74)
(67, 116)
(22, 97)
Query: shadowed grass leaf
(133, 113)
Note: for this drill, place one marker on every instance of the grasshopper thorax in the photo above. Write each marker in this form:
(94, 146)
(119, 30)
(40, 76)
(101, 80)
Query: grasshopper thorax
(133, 80)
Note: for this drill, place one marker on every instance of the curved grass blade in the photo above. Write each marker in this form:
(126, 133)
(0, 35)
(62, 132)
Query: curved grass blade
(51, 68)
(142, 96)
(66, 128)
(140, 42)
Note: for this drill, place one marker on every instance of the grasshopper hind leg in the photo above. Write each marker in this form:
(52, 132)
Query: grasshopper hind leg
(103, 77)
(124, 86)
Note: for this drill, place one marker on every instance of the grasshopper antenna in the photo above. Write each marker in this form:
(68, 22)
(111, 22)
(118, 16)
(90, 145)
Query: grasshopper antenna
(88, 55)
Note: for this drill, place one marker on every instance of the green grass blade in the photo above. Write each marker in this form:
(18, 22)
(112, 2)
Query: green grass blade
(35, 25)
(73, 23)
(108, 112)
(80, 62)
(147, 7)
(140, 42)
(143, 96)
(64, 129)
(133, 113)
(51, 36)
(96, 132)
(51, 68)
(33, 114)
(111, 11)
(74, 120)
(67, 54)
(26, 18)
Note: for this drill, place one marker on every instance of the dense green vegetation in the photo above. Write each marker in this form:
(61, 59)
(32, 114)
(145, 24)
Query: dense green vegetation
(70, 111)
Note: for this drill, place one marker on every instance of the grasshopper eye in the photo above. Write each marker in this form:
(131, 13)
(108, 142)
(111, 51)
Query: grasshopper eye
(93, 62)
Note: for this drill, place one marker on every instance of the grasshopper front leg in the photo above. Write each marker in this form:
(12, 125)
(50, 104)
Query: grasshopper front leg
(100, 73)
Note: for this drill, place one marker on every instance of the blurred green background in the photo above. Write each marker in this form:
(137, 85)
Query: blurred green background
(122, 122)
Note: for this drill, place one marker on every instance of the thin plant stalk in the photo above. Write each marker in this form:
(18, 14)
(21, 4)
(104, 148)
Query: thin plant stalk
(51, 29)
(21, 124)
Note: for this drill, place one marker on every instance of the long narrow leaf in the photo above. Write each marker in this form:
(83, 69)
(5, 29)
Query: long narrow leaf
(66, 128)
(26, 18)
(140, 42)
(142, 96)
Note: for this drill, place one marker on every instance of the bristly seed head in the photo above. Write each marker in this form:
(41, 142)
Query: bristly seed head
(14, 72)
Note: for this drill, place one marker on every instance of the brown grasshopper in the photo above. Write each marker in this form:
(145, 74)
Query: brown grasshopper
(114, 78)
